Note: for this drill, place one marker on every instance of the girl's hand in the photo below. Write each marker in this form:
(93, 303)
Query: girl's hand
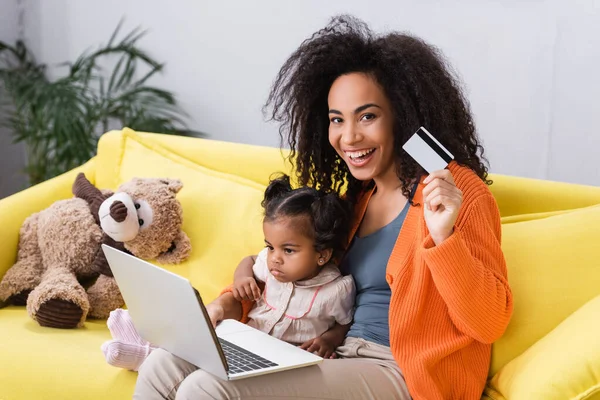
(442, 201)
(326, 344)
(246, 289)
(320, 346)
(216, 313)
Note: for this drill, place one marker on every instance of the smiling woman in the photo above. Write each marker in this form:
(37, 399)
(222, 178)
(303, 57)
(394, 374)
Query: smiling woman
(424, 251)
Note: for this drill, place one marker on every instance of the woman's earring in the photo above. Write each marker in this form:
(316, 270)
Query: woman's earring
(321, 260)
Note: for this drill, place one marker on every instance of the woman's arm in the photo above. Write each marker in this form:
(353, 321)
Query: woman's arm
(469, 271)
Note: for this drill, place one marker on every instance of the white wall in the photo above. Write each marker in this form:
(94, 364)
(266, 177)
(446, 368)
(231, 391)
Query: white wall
(530, 67)
(12, 156)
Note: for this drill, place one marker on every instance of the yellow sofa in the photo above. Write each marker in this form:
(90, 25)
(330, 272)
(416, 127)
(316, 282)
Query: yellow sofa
(551, 239)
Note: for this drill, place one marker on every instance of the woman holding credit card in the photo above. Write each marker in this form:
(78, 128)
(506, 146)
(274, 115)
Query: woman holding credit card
(425, 255)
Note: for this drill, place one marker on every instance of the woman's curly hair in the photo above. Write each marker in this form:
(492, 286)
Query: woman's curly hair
(414, 75)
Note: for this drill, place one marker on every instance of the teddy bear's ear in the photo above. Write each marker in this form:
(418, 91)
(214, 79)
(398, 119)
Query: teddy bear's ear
(174, 185)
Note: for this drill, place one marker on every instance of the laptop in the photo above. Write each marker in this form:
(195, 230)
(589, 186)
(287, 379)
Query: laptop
(167, 312)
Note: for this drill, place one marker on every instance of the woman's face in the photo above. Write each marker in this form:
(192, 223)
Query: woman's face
(361, 126)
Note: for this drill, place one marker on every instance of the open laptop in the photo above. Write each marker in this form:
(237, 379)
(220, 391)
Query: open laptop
(167, 312)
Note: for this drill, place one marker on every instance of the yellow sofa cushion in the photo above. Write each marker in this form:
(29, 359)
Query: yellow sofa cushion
(221, 212)
(565, 364)
(553, 270)
(255, 163)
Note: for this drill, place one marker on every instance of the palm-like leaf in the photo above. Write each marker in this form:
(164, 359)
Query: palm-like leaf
(60, 121)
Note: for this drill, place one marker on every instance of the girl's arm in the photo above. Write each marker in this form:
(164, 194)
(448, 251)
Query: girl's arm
(224, 307)
(244, 268)
(244, 283)
(250, 267)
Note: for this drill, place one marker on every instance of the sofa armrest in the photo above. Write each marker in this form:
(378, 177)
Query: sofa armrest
(16, 208)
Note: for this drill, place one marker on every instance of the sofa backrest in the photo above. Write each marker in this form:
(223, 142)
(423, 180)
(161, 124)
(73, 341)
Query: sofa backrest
(532, 198)
(255, 163)
(516, 196)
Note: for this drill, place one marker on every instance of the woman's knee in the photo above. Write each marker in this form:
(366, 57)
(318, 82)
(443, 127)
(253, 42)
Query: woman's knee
(155, 362)
(201, 385)
(160, 375)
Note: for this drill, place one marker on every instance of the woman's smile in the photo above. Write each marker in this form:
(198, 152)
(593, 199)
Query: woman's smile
(358, 158)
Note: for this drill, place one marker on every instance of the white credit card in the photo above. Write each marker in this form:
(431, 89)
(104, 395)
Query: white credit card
(427, 151)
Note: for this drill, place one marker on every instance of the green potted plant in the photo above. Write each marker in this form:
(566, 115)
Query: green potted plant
(60, 120)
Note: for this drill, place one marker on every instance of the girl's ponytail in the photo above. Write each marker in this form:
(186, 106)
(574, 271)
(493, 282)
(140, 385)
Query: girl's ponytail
(277, 188)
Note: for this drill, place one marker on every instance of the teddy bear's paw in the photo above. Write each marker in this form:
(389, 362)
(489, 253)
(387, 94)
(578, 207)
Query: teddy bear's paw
(58, 313)
(20, 280)
(104, 296)
(19, 299)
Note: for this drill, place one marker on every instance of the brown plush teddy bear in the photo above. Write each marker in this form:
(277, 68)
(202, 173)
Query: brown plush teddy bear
(61, 273)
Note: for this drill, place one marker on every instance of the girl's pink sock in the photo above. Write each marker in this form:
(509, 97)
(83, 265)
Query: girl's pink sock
(125, 355)
(121, 327)
(127, 349)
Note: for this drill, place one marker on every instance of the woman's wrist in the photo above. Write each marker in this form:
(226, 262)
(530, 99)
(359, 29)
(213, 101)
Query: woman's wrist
(438, 239)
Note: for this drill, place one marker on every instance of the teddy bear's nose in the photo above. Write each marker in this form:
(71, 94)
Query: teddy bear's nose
(118, 211)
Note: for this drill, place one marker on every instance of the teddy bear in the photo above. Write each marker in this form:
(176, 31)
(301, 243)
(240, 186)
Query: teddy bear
(61, 273)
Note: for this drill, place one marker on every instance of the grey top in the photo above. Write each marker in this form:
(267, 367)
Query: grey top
(367, 260)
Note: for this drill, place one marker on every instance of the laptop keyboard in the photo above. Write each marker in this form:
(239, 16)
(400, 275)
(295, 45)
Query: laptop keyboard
(242, 360)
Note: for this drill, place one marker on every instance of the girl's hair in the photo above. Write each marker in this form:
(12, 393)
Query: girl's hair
(328, 214)
(420, 85)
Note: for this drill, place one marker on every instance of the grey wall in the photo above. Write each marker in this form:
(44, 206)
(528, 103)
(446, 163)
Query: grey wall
(530, 67)
(12, 157)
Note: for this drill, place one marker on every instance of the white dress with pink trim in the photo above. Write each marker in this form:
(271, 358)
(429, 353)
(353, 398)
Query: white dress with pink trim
(300, 311)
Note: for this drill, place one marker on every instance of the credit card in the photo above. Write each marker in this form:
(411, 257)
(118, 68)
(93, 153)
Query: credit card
(427, 151)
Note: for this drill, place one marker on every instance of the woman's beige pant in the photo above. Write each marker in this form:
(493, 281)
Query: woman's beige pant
(365, 370)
